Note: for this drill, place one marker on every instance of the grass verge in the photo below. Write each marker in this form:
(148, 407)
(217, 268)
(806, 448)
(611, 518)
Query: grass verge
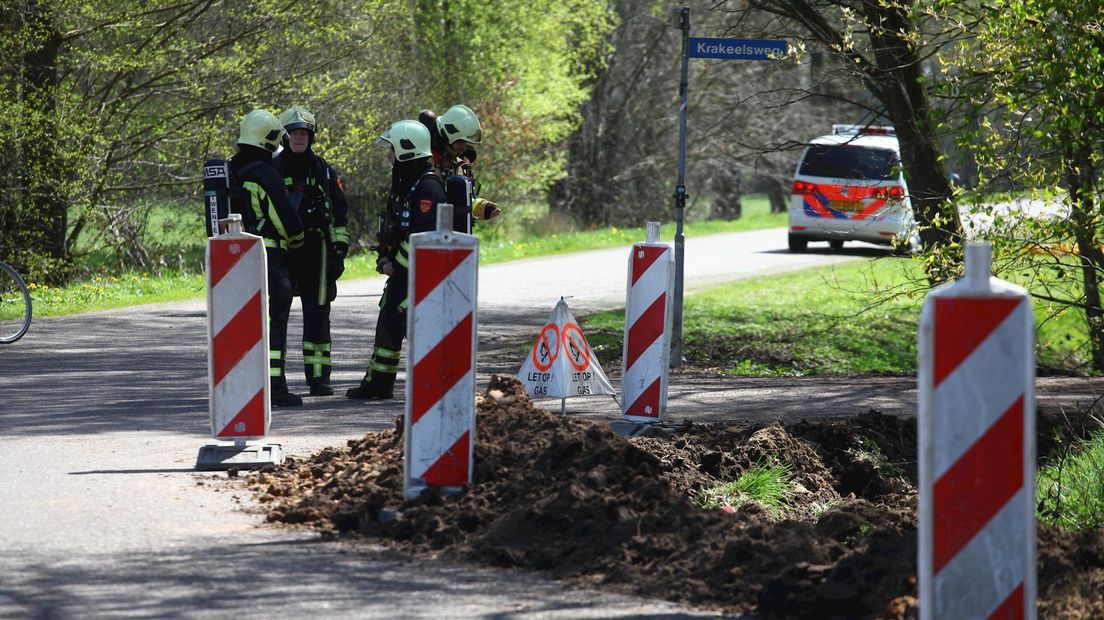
(853, 318)
(1070, 488)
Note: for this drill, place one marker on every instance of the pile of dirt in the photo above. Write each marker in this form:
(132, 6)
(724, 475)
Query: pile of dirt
(575, 500)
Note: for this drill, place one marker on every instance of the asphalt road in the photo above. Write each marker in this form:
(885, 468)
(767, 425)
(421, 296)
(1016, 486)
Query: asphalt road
(102, 415)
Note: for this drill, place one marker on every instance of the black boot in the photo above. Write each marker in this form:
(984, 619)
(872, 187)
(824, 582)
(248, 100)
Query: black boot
(284, 398)
(281, 397)
(321, 389)
(379, 387)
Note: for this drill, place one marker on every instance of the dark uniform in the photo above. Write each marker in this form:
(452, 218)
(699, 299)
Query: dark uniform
(316, 266)
(266, 210)
(411, 208)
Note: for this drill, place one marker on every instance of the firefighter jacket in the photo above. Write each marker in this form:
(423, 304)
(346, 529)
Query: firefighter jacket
(258, 194)
(322, 204)
(411, 208)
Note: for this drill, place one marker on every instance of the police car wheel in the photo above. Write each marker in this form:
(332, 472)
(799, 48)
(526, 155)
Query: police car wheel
(798, 244)
(836, 244)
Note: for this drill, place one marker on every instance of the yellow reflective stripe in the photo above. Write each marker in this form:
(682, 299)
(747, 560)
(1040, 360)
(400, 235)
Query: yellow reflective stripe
(275, 372)
(405, 304)
(339, 234)
(256, 193)
(315, 359)
(323, 280)
(275, 354)
(274, 217)
(388, 353)
(316, 346)
(374, 365)
(402, 257)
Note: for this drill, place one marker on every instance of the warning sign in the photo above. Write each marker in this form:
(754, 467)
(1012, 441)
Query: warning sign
(561, 363)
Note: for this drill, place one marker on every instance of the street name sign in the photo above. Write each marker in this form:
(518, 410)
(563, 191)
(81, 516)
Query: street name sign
(738, 49)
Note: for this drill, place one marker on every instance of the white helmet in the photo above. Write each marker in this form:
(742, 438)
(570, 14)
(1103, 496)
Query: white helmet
(296, 117)
(460, 123)
(410, 139)
(262, 129)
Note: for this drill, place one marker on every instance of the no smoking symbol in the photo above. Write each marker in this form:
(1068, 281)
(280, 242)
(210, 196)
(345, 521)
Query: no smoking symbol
(547, 348)
(577, 347)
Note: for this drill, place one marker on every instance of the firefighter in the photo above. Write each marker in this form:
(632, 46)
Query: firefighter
(454, 136)
(258, 194)
(317, 265)
(416, 190)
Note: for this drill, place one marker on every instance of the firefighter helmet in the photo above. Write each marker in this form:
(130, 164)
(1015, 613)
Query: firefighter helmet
(460, 123)
(296, 117)
(410, 139)
(261, 129)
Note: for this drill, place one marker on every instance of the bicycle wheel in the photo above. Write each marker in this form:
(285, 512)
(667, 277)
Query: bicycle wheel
(15, 305)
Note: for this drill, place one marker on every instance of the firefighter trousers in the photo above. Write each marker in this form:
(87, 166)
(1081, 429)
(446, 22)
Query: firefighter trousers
(390, 332)
(279, 309)
(311, 273)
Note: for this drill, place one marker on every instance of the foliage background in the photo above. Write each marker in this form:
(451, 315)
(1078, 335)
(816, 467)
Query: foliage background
(116, 104)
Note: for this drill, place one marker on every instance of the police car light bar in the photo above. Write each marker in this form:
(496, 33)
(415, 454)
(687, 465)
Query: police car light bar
(863, 130)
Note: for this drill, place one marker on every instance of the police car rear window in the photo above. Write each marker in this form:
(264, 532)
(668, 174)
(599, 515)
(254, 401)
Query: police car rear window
(849, 162)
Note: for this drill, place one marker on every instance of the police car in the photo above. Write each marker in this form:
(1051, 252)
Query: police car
(849, 186)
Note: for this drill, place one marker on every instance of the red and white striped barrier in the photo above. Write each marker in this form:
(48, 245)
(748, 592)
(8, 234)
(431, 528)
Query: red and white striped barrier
(647, 348)
(237, 336)
(977, 448)
(440, 388)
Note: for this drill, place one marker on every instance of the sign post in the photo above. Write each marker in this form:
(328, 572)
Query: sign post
(683, 24)
(725, 49)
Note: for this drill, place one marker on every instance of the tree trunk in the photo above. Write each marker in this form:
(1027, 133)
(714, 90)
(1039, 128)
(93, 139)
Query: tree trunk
(727, 201)
(900, 81)
(39, 226)
(778, 194)
(1080, 176)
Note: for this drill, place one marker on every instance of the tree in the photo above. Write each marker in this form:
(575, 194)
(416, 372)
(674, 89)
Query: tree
(32, 187)
(1035, 76)
(524, 66)
(118, 103)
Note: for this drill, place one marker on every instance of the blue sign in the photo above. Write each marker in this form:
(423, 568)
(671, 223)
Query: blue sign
(738, 49)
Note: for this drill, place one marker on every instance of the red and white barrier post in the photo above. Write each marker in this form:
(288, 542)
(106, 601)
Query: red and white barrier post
(237, 349)
(439, 438)
(977, 447)
(647, 349)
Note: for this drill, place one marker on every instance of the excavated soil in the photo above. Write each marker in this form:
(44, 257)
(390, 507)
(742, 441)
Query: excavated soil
(576, 501)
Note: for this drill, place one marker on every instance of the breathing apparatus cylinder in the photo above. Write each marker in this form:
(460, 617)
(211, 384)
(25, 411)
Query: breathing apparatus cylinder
(216, 193)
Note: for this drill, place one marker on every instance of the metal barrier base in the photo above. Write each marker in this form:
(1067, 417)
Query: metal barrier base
(223, 456)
